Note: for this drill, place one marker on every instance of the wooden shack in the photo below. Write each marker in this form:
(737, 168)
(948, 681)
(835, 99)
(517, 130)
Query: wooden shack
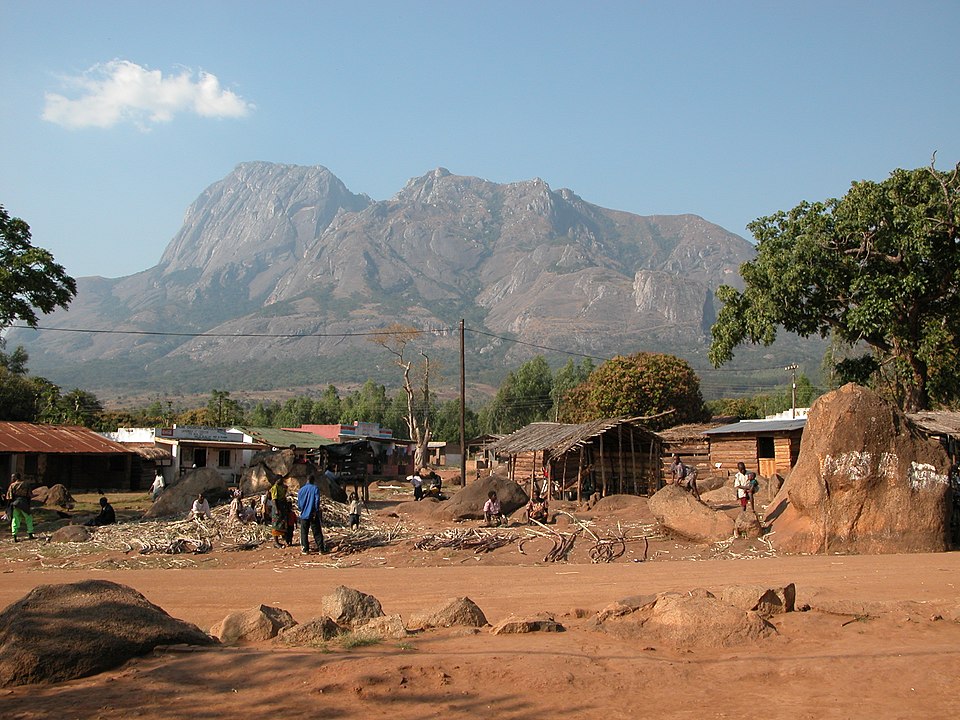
(692, 445)
(609, 456)
(768, 447)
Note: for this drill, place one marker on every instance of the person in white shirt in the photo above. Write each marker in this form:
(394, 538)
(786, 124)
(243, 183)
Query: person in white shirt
(200, 509)
(417, 483)
(158, 485)
(745, 484)
(492, 511)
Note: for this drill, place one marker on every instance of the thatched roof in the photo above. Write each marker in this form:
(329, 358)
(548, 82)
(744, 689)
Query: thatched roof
(559, 438)
(149, 451)
(938, 422)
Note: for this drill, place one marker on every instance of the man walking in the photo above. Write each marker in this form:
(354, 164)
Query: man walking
(308, 499)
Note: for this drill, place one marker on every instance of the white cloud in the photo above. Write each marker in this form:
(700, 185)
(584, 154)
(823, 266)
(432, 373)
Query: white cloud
(121, 91)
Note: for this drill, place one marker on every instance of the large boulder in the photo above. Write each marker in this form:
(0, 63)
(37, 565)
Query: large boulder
(695, 619)
(59, 495)
(253, 625)
(62, 632)
(267, 466)
(468, 503)
(865, 482)
(682, 514)
(177, 499)
(346, 606)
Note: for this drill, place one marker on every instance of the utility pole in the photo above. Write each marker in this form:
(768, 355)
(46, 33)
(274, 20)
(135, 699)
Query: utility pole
(793, 389)
(463, 412)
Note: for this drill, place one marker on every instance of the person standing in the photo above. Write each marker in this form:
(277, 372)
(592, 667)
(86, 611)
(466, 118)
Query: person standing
(19, 496)
(308, 499)
(417, 483)
(158, 485)
(745, 484)
(353, 510)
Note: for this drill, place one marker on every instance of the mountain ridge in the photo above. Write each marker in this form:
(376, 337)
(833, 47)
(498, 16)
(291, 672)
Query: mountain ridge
(273, 249)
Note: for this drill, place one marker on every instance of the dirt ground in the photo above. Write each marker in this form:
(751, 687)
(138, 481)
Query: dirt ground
(881, 638)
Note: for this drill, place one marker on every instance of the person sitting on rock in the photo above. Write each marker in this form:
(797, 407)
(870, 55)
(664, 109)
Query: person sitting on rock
(107, 515)
(745, 483)
(685, 476)
(492, 512)
(537, 509)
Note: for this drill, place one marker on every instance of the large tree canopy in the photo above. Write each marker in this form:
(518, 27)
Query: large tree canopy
(30, 280)
(641, 384)
(880, 266)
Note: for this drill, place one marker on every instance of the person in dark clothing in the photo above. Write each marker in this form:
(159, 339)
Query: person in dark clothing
(107, 515)
(308, 499)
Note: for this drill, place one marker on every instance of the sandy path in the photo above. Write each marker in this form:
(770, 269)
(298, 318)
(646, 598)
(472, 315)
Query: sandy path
(898, 663)
(204, 596)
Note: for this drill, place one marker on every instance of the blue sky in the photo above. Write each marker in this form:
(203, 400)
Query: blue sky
(116, 115)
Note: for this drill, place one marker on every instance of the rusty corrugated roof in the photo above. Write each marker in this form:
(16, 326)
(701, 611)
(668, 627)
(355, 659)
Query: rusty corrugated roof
(24, 437)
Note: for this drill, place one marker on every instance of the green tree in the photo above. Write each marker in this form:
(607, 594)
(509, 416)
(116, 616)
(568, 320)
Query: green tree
(79, 407)
(447, 422)
(880, 266)
(641, 384)
(30, 280)
(524, 396)
(566, 378)
(222, 410)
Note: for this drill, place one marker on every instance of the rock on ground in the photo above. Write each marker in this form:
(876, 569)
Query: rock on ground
(747, 525)
(379, 628)
(253, 625)
(178, 498)
(347, 606)
(460, 611)
(71, 533)
(865, 482)
(62, 632)
(59, 495)
(679, 512)
(313, 632)
(467, 504)
(695, 619)
(762, 599)
(537, 623)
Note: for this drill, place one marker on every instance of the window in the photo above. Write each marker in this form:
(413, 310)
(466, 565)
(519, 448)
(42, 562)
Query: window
(224, 459)
(765, 448)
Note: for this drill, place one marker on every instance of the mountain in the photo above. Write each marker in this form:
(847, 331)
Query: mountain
(287, 250)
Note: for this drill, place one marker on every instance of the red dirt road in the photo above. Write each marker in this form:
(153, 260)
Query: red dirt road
(882, 641)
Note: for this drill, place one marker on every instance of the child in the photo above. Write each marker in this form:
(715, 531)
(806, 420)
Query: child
(353, 509)
(492, 512)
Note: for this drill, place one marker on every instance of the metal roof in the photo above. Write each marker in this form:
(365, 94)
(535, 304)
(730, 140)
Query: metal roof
(276, 437)
(560, 437)
(753, 427)
(24, 437)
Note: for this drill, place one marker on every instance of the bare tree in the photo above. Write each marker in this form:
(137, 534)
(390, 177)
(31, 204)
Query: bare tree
(397, 339)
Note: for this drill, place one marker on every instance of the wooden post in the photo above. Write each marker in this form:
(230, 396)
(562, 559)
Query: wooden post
(579, 478)
(633, 462)
(563, 475)
(603, 470)
(620, 453)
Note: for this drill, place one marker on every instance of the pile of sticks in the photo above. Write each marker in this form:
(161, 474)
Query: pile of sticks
(348, 542)
(478, 540)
